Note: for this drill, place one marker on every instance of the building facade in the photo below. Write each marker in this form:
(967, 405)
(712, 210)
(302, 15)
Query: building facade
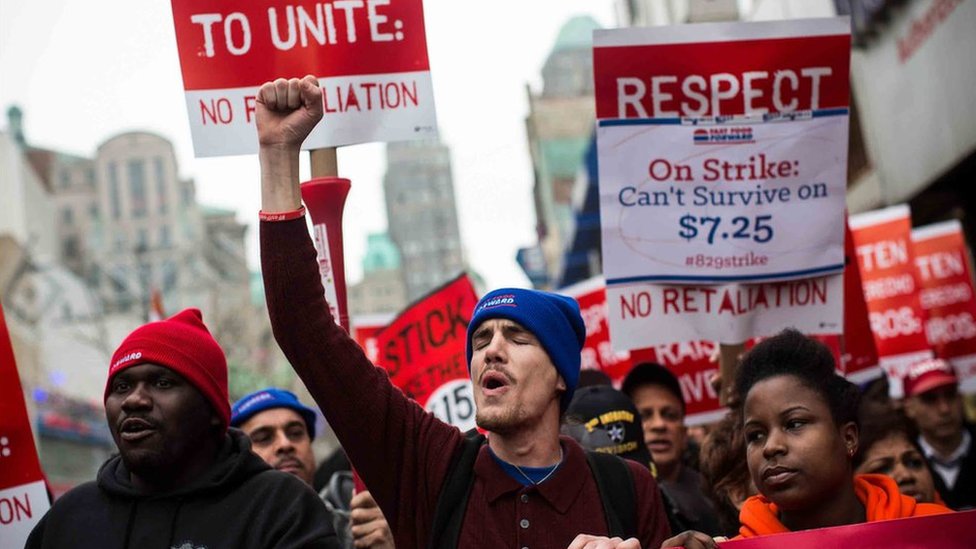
(422, 214)
(559, 127)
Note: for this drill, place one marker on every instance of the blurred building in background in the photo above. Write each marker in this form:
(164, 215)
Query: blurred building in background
(382, 289)
(422, 214)
(559, 128)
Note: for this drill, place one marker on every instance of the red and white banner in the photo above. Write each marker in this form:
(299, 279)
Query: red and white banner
(370, 57)
(883, 244)
(691, 362)
(947, 296)
(423, 349)
(23, 497)
(859, 359)
(723, 151)
(948, 531)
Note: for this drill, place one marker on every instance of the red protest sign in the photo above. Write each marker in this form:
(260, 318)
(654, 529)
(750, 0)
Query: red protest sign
(859, 360)
(597, 353)
(23, 497)
(370, 57)
(883, 244)
(423, 349)
(947, 296)
(691, 362)
(736, 70)
(948, 531)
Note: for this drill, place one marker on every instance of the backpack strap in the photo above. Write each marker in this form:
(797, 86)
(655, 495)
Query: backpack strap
(616, 486)
(453, 499)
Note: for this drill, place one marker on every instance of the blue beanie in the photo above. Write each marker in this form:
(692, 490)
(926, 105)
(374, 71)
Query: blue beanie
(553, 319)
(265, 399)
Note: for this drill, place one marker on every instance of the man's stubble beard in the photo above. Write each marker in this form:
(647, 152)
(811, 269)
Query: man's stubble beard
(503, 422)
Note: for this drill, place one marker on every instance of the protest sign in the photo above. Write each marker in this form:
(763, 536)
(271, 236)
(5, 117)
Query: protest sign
(722, 151)
(691, 362)
(946, 296)
(423, 349)
(694, 363)
(652, 314)
(23, 497)
(597, 352)
(370, 57)
(365, 330)
(883, 244)
(859, 358)
(948, 531)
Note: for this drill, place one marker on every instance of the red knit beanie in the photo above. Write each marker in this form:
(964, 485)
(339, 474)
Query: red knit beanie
(183, 344)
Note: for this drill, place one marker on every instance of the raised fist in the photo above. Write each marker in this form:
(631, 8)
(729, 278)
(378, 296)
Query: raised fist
(287, 110)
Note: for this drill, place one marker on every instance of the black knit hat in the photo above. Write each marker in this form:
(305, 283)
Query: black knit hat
(603, 419)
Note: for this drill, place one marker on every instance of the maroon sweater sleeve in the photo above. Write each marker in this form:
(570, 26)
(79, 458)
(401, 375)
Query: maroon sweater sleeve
(652, 521)
(401, 452)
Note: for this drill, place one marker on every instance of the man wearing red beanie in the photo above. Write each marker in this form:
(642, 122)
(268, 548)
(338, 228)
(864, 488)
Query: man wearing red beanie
(180, 475)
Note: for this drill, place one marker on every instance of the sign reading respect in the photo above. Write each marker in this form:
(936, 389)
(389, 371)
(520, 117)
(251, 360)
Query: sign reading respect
(722, 151)
(370, 57)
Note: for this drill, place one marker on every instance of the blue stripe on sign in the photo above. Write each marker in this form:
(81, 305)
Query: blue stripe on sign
(830, 112)
(640, 122)
(690, 278)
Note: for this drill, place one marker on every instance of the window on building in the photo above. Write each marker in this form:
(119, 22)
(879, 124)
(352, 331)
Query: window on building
(169, 276)
(142, 240)
(164, 237)
(160, 185)
(137, 187)
(68, 215)
(93, 210)
(65, 179)
(114, 192)
(69, 248)
(90, 176)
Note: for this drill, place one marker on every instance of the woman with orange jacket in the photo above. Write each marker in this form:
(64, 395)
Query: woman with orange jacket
(801, 432)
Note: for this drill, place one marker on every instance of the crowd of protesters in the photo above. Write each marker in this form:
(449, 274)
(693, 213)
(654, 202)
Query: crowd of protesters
(561, 459)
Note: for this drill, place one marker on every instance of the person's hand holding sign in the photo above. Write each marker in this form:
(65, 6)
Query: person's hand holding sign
(286, 112)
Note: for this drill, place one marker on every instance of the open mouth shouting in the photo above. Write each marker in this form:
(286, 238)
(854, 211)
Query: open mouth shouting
(495, 383)
(135, 429)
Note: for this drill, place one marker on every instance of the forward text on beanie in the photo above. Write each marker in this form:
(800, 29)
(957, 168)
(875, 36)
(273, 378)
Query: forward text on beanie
(183, 344)
(553, 319)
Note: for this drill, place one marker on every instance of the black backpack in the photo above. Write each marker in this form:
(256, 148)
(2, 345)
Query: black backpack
(613, 480)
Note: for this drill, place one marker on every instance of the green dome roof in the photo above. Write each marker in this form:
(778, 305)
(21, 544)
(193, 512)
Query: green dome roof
(577, 33)
(381, 253)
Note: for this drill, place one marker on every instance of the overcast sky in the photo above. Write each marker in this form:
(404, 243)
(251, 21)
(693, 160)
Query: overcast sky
(85, 71)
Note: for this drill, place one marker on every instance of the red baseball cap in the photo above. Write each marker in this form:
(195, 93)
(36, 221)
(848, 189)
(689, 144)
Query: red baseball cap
(927, 375)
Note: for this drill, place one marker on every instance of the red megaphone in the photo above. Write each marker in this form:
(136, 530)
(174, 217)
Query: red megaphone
(325, 197)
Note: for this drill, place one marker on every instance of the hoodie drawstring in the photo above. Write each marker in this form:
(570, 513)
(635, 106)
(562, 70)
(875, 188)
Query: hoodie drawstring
(172, 524)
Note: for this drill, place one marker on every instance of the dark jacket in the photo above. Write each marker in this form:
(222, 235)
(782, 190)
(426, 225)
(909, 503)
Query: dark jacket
(402, 452)
(962, 497)
(239, 502)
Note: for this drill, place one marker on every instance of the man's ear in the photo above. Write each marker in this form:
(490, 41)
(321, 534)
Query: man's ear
(560, 383)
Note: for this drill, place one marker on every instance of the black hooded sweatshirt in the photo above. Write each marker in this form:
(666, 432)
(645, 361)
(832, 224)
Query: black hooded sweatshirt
(239, 502)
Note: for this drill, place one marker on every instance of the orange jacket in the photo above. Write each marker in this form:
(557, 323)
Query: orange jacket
(878, 493)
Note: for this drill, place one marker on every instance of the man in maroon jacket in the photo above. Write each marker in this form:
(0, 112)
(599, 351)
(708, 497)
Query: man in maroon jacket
(530, 487)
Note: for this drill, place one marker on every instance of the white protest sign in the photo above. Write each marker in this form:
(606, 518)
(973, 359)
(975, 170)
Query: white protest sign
(642, 315)
(722, 151)
(370, 57)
